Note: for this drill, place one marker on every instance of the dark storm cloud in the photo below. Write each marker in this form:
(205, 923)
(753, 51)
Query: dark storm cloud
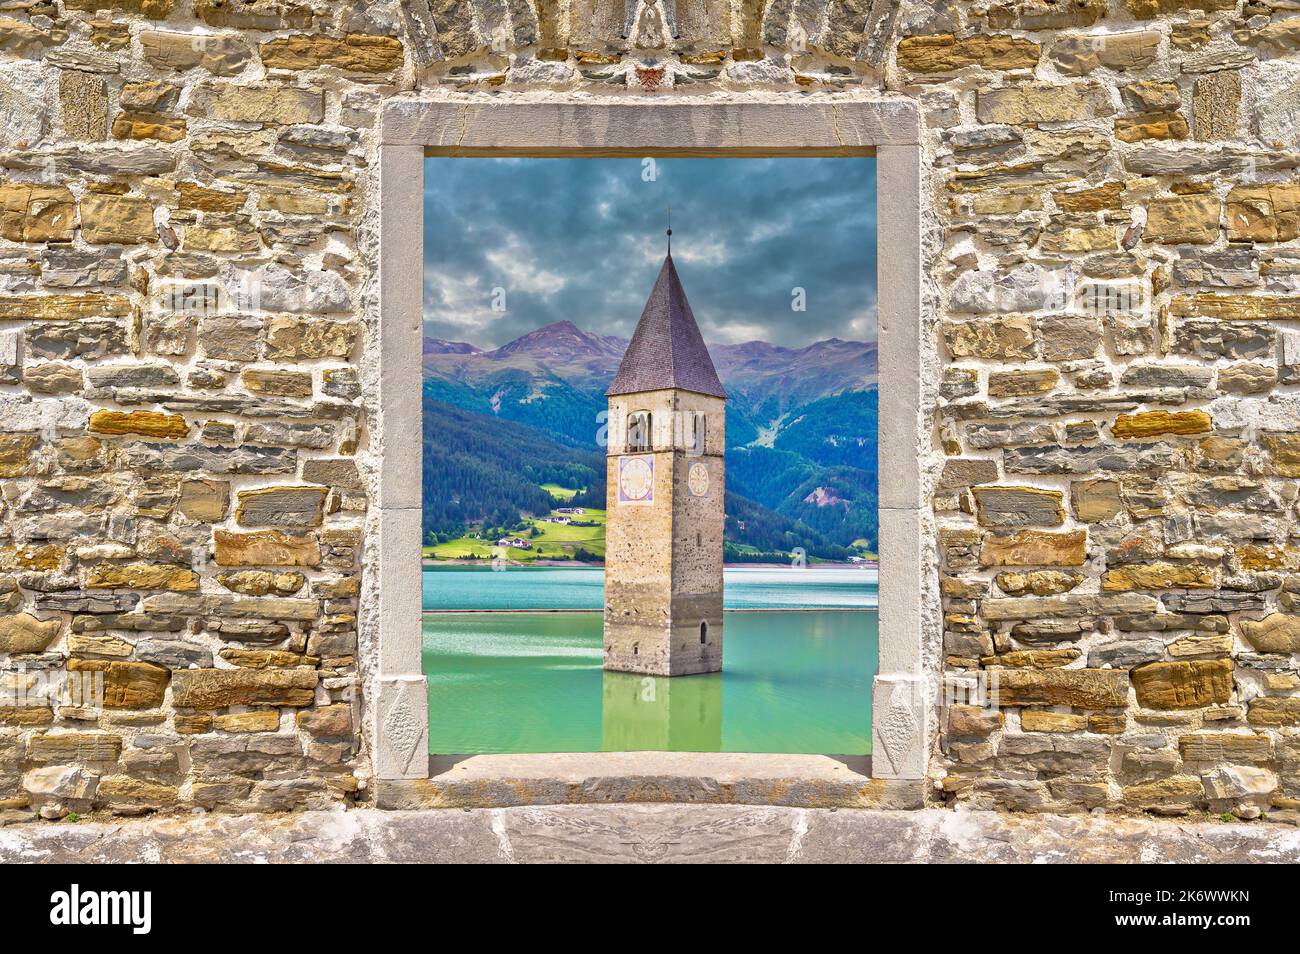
(582, 239)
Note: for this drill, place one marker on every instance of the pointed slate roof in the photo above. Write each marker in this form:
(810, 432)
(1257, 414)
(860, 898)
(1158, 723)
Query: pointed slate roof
(667, 349)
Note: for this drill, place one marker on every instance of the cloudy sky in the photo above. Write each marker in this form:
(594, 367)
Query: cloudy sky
(583, 239)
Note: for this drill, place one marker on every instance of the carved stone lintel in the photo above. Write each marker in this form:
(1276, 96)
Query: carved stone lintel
(402, 727)
(900, 733)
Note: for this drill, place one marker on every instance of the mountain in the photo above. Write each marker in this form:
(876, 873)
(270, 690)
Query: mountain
(801, 430)
(564, 364)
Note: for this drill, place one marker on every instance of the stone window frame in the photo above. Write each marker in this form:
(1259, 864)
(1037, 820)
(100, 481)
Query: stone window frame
(411, 129)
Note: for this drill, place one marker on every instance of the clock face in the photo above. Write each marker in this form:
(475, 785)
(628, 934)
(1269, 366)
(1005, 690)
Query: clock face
(697, 479)
(636, 480)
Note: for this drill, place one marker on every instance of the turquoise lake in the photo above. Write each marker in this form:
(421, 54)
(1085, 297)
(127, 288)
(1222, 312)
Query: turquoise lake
(799, 654)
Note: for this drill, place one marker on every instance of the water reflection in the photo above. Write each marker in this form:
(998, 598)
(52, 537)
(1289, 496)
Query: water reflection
(655, 713)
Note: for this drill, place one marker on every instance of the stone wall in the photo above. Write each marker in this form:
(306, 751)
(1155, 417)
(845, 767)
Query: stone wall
(186, 371)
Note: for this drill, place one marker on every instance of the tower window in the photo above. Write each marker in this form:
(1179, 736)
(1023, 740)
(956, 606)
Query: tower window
(704, 632)
(638, 431)
(695, 439)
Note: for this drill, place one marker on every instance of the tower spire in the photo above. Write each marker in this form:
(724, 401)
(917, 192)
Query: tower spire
(670, 231)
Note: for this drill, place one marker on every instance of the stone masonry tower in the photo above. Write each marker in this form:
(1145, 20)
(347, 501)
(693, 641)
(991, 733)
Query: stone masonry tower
(663, 539)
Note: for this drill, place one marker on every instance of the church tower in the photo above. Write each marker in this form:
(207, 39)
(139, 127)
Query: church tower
(663, 534)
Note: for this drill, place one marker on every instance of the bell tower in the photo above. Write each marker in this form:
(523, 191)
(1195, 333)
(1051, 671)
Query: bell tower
(664, 523)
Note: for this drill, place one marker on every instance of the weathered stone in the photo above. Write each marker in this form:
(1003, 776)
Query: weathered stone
(265, 548)
(1069, 337)
(1183, 685)
(1215, 100)
(1096, 500)
(1239, 781)
(148, 125)
(1183, 219)
(24, 633)
(1038, 582)
(290, 338)
(274, 104)
(1023, 288)
(352, 53)
(990, 338)
(1277, 633)
(173, 653)
(1040, 103)
(221, 54)
(1080, 688)
(1226, 747)
(1178, 793)
(262, 582)
(142, 576)
(278, 383)
(1019, 507)
(1158, 576)
(144, 423)
(1035, 548)
(1079, 55)
(74, 747)
(1274, 711)
(233, 607)
(1022, 383)
(944, 53)
(1067, 607)
(1146, 126)
(251, 14)
(1156, 423)
(1046, 14)
(342, 473)
(84, 101)
(289, 507)
(1040, 720)
(221, 688)
(1237, 307)
(108, 218)
(36, 213)
(1263, 213)
(1125, 653)
(255, 720)
(127, 685)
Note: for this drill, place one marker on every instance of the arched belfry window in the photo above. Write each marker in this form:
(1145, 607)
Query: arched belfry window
(695, 439)
(638, 431)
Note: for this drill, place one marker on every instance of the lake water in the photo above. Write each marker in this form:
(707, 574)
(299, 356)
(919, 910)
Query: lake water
(545, 587)
(796, 677)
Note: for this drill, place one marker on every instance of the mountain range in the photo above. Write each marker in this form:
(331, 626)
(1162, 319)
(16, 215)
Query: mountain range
(801, 431)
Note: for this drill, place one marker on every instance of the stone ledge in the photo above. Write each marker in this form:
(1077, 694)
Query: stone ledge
(648, 834)
(504, 781)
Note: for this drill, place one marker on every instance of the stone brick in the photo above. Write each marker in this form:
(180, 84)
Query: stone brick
(24, 633)
(1167, 124)
(1039, 720)
(1225, 747)
(1274, 712)
(1158, 576)
(1040, 103)
(277, 105)
(148, 125)
(1183, 685)
(353, 53)
(223, 55)
(1080, 688)
(1264, 213)
(142, 576)
(205, 501)
(1038, 582)
(36, 213)
(1035, 548)
(288, 507)
(74, 747)
(1183, 219)
(278, 383)
(1019, 507)
(1277, 633)
(1150, 9)
(944, 53)
(222, 688)
(1237, 307)
(127, 685)
(293, 338)
(116, 219)
(1215, 101)
(83, 98)
(265, 548)
(1095, 500)
(143, 423)
(1004, 384)
(1156, 423)
(1079, 55)
(990, 338)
